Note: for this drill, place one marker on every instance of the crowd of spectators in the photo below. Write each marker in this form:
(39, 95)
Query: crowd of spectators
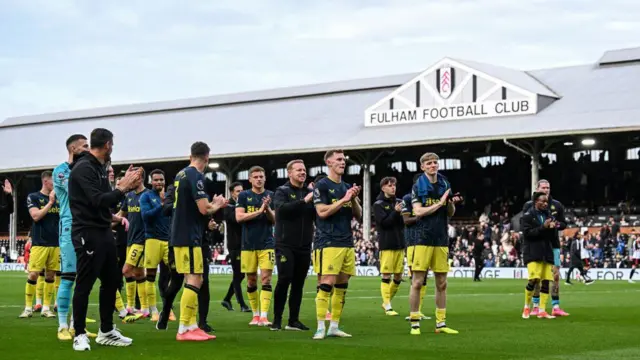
(501, 243)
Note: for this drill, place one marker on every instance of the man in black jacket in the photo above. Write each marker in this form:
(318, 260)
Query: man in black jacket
(387, 211)
(90, 200)
(478, 259)
(234, 244)
(295, 215)
(539, 228)
(556, 210)
(6, 197)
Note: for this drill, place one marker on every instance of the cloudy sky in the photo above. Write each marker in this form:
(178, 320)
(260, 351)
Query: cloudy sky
(71, 54)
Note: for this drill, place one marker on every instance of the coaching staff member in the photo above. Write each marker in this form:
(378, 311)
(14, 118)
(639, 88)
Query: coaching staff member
(234, 245)
(90, 200)
(295, 215)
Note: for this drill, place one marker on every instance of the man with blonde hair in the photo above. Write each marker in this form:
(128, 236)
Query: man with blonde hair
(433, 207)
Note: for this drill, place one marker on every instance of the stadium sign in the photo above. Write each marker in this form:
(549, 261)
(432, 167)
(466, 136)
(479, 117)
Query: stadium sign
(454, 272)
(451, 90)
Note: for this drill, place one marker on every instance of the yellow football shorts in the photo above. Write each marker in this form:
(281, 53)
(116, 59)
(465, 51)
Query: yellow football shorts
(44, 258)
(334, 260)
(251, 260)
(423, 258)
(155, 251)
(188, 259)
(135, 254)
(540, 270)
(391, 261)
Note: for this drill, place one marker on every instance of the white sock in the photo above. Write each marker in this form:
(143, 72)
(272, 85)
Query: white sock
(45, 308)
(193, 326)
(440, 324)
(154, 309)
(388, 307)
(63, 326)
(38, 301)
(123, 313)
(264, 314)
(145, 311)
(320, 324)
(29, 308)
(556, 306)
(256, 313)
(333, 324)
(182, 329)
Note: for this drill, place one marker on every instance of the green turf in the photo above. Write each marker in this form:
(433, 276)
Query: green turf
(603, 325)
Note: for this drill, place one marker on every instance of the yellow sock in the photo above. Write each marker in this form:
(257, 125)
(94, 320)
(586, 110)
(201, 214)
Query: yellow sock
(423, 290)
(265, 300)
(441, 316)
(49, 287)
(393, 287)
(337, 302)
(131, 287)
(194, 319)
(119, 303)
(252, 294)
(29, 290)
(322, 304)
(528, 295)
(188, 303)
(544, 297)
(142, 294)
(385, 290)
(151, 294)
(40, 289)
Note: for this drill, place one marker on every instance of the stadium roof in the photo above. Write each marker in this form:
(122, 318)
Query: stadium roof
(578, 99)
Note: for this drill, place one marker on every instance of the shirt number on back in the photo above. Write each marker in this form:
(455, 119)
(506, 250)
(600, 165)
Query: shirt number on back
(176, 184)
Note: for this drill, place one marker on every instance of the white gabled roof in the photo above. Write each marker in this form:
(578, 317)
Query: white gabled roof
(518, 78)
(514, 80)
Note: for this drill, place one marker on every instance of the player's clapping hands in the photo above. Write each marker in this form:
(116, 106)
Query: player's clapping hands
(456, 199)
(52, 196)
(131, 179)
(219, 201)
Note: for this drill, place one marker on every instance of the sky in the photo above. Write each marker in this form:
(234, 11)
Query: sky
(58, 55)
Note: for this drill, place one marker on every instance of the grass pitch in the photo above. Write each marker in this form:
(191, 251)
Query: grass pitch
(604, 324)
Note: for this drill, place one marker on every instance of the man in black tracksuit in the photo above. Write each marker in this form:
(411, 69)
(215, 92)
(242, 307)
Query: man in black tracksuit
(387, 211)
(478, 248)
(90, 201)
(295, 216)
(234, 243)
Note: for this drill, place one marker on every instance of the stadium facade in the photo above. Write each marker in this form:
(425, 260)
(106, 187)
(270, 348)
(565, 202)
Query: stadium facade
(452, 101)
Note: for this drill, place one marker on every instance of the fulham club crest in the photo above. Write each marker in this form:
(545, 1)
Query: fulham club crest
(445, 81)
